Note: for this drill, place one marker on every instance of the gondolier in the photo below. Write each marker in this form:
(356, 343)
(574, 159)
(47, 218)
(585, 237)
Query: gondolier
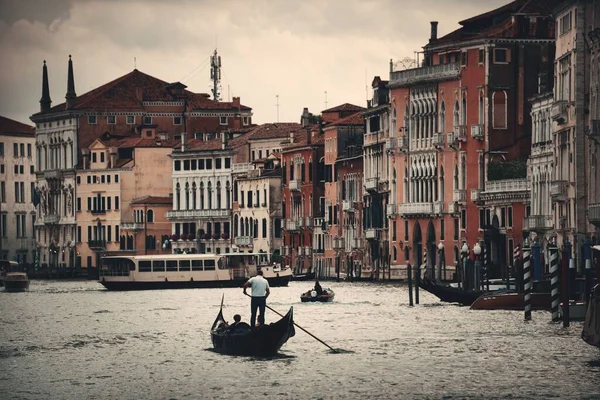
(260, 292)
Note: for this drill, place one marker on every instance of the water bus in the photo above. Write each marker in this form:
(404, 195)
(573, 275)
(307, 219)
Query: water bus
(12, 278)
(178, 271)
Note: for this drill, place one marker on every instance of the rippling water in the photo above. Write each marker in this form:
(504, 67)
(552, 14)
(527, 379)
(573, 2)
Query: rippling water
(75, 340)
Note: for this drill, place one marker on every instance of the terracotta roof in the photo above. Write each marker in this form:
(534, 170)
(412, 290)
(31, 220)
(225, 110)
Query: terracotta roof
(10, 126)
(354, 119)
(317, 138)
(153, 200)
(274, 130)
(128, 140)
(123, 94)
(343, 107)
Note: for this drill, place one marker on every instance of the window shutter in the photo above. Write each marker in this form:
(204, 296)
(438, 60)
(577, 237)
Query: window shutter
(508, 55)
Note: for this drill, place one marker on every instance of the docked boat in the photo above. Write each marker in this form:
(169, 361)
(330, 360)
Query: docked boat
(450, 294)
(511, 301)
(309, 276)
(179, 271)
(311, 296)
(591, 327)
(241, 340)
(15, 281)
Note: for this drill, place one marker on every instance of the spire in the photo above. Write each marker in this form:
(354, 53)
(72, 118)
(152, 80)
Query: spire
(70, 85)
(45, 101)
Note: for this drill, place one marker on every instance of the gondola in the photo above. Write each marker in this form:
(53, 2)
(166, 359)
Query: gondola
(309, 276)
(311, 296)
(450, 294)
(591, 327)
(241, 340)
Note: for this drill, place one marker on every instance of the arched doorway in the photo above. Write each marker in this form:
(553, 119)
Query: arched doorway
(417, 245)
(431, 250)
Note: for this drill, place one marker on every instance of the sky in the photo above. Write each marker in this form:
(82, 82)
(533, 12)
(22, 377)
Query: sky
(309, 53)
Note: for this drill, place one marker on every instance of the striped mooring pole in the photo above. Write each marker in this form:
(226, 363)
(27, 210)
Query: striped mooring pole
(516, 253)
(485, 268)
(425, 261)
(554, 283)
(527, 280)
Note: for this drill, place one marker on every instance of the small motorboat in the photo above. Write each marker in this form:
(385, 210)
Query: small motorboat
(312, 296)
(15, 281)
(308, 276)
(591, 327)
(241, 340)
(511, 301)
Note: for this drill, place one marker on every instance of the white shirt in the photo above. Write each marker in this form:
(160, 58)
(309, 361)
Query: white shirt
(259, 286)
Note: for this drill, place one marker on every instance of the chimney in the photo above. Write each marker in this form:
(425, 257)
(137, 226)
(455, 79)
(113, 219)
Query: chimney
(223, 140)
(236, 102)
(305, 119)
(183, 141)
(45, 101)
(434, 26)
(291, 137)
(70, 85)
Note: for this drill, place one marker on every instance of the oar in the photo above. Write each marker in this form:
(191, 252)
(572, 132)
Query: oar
(281, 315)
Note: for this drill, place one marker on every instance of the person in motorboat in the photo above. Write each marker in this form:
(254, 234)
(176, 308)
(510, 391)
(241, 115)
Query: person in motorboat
(260, 292)
(318, 288)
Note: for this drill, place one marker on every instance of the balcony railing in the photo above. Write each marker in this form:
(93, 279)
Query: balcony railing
(54, 174)
(559, 111)
(477, 131)
(244, 241)
(594, 214)
(507, 185)
(475, 194)
(132, 226)
(296, 185)
(559, 190)
(391, 210)
(358, 243)
(97, 244)
(51, 219)
(371, 233)
(308, 222)
(438, 207)
(459, 195)
(307, 251)
(347, 205)
(191, 214)
(439, 140)
(460, 133)
(372, 184)
(338, 243)
(239, 168)
(538, 223)
(391, 144)
(292, 225)
(434, 73)
(415, 209)
(452, 207)
(403, 143)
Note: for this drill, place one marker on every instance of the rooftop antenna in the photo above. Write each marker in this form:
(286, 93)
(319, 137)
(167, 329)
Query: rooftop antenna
(277, 105)
(215, 74)
(326, 99)
(134, 63)
(366, 86)
(228, 94)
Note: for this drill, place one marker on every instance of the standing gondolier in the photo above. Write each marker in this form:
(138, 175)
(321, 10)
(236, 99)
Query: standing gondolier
(260, 292)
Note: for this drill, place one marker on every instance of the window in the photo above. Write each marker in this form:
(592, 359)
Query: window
(16, 169)
(109, 202)
(501, 56)
(1, 149)
(176, 120)
(463, 219)
(481, 218)
(15, 150)
(147, 120)
(223, 120)
(94, 159)
(499, 110)
(218, 163)
(463, 59)
(3, 225)
(150, 216)
(227, 162)
(102, 159)
(246, 121)
(565, 23)
(130, 119)
(264, 227)
(442, 228)
(31, 170)
(111, 119)
(177, 165)
(456, 228)
(481, 56)
(116, 202)
(79, 204)
(148, 133)
(158, 265)
(209, 163)
(32, 193)
(21, 169)
(3, 192)
(89, 203)
(510, 217)
(116, 178)
(79, 234)
(22, 148)
(405, 231)
(17, 192)
(92, 119)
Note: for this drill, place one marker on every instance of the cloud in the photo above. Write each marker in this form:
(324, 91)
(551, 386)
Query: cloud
(297, 50)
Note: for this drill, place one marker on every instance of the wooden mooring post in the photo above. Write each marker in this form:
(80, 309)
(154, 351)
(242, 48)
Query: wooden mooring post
(410, 285)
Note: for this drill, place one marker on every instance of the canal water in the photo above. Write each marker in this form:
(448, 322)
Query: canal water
(75, 340)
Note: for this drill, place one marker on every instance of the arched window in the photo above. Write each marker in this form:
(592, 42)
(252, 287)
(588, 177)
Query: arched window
(202, 195)
(150, 216)
(236, 221)
(481, 109)
(395, 253)
(456, 113)
(218, 195)
(407, 254)
(463, 113)
(209, 195)
(264, 228)
(194, 195)
(255, 229)
(499, 110)
(177, 196)
(442, 117)
(463, 166)
(187, 196)
(227, 195)
(235, 190)
(310, 168)
(456, 178)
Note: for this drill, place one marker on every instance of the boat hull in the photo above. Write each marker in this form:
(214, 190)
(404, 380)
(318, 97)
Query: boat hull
(264, 341)
(511, 301)
(326, 297)
(450, 294)
(15, 282)
(304, 277)
(191, 284)
(591, 327)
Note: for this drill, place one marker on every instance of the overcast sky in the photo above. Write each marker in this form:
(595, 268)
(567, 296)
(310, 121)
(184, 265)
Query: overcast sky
(294, 49)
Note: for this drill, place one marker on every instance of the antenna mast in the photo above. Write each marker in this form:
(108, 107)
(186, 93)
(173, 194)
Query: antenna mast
(215, 75)
(326, 99)
(277, 105)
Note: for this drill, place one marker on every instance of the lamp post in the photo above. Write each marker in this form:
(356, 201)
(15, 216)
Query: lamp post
(441, 263)
(477, 271)
(465, 254)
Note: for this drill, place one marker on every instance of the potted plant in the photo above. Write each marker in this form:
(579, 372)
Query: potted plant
(184, 237)
(207, 236)
(215, 236)
(191, 236)
(224, 235)
(174, 236)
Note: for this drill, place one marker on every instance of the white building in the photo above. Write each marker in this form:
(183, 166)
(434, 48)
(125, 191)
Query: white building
(17, 191)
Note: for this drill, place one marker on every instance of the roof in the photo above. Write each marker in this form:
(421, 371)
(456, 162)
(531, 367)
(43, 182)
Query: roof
(153, 200)
(354, 119)
(343, 107)
(498, 23)
(10, 126)
(128, 92)
(135, 140)
(317, 138)
(274, 130)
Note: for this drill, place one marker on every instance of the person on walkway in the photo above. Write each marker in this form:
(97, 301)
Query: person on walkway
(260, 292)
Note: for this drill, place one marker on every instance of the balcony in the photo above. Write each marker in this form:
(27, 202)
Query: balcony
(475, 195)
(477, 131)
(559, 112)
(594, 214)
(439, 139)
(51, 219)
(308, 251)
(459, 195)
(452, 207)
(132, 226)
(338, 243)
(371, 233)
(391, 210)
(55, 174)
(438, 207)
(295, 185)
(538, 223)
(285, 250)
(403, 143)
(372, 184)
(507, 185)
(292, 225)
(244, 241)
(97, 244)
(391, 144)
(240, 168)
(357, 243)
(308, 222)
(347, 206)
(595, 129)
(179, 215)
(460, 133)
(415, 209)
(559, 190)
(431, 74)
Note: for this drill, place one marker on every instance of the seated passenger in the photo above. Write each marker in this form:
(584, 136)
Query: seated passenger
(236, 321)
(318, 288)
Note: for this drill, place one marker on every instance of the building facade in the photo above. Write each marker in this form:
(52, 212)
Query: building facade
(17, 191)
(594, 128)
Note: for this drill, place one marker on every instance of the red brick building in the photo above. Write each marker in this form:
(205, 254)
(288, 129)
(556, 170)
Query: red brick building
(463, 135)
